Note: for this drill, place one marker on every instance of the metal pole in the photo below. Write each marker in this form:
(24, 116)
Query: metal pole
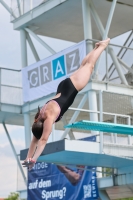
(115, 121)
(96, 18)
(101, 118)
(129, 136)
(112, 138)
(13, 149)
(71, 135)
(22, 7)
(118, 67)
(7, 8)
(125, 65)
(106, 30)
(87, 23)
(88, 34)
(75, 115)
(23, 48)
(31, 4)
(93, 106)
(24, 64)
(33, 48)
(41, 41)
(109, 19)
(107, 76)
(103, 32)
(27, 130)
(0, 88)
(18, 3)
(101, 29)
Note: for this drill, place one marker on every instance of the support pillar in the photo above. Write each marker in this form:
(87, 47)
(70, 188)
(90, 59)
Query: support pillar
(87, 24)
(23, 48)
(0, 88)
(24, 64)
(27, 130)
(88, 35)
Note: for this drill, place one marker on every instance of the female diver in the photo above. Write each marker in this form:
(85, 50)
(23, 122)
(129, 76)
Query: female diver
(54, 109)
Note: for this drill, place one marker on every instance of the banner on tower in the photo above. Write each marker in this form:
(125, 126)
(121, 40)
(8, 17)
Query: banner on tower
(55, 182)
(42, 78)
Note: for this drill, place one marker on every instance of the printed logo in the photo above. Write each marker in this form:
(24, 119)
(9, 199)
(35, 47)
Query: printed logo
(72, 61)
(40, 165)
(87, 191)
(45, 73)
(33, 77)
(58, 68)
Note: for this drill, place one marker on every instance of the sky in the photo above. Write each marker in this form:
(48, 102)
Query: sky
(9, 51)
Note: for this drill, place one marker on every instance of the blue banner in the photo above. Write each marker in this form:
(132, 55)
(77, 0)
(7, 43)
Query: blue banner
(51, 182)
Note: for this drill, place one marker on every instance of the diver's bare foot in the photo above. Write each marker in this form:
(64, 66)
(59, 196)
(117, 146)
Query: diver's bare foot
(103, 43)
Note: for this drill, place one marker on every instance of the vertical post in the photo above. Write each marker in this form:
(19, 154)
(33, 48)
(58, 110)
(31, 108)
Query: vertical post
(87, 23)
(93, 105)
(23, 48)
(129, 136)
(22, 7)
(112, 138)
(27, 129)
(101, 119)
(24, 64)
(0, 88)
(115, 121)
(101, 133)
(88, 35)
(31, 4)
(107, 76)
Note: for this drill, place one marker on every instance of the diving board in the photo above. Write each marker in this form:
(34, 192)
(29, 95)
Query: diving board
(102, 126)
(77, 152)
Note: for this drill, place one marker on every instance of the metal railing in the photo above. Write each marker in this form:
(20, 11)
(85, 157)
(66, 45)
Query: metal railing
(20, 7)
(10, 86)
(123, 114)
(115, 68)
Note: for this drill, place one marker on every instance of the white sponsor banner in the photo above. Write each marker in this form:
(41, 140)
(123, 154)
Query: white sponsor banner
(42, 78)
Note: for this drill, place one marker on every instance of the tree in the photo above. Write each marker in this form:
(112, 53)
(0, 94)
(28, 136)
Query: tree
(13, 196)
(127, 199)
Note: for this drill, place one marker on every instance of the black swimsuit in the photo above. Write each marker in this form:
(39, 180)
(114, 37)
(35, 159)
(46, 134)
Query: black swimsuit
(68, 94)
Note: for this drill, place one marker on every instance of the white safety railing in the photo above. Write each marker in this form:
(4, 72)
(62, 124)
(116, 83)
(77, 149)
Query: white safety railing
(10, 86)
(121, 113)
(20, 7)
(115, 64)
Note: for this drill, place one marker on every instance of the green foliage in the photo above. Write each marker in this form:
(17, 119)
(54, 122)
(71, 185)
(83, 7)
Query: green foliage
(13, 196)
(126, 199)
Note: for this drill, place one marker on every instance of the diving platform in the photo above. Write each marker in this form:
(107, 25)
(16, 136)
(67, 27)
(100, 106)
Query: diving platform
(76, 152)
(102, 126)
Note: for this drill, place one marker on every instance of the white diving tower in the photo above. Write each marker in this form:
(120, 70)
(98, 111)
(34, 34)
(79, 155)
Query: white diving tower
(107, 98)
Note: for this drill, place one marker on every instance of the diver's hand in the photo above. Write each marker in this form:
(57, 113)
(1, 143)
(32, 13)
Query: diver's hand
(29, 163)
